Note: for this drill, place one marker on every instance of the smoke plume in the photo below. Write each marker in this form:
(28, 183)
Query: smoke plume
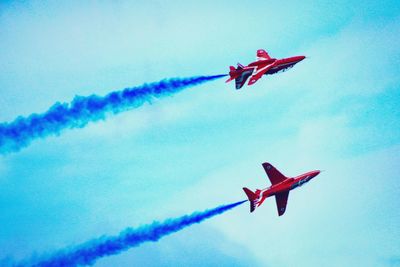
(82, 110)
(88, 252)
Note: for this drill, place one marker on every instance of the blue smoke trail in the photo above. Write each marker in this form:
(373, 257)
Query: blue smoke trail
(82, 110)
(87, 253)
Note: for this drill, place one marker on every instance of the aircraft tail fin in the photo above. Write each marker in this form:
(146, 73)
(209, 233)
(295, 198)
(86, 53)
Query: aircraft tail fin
(252, 198)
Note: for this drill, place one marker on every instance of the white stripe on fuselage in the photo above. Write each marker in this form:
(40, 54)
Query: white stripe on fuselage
(261, 195)
(283, 65)
(274, 68)
(263, 68)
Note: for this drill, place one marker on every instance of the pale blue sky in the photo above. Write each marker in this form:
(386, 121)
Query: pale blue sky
(338, 111)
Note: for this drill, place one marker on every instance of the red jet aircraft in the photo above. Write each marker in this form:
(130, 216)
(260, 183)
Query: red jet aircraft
(281, 185)
(263, 66)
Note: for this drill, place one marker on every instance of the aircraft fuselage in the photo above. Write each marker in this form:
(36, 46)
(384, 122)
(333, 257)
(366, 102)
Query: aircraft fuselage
(288, 184)
(277, 64)
(285, 186)
(264, 65)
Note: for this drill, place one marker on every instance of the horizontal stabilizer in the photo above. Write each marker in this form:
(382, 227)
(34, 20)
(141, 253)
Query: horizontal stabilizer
(232, 74)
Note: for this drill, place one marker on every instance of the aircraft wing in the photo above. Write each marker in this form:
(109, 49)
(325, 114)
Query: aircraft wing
(262, 55)
(273, 174)
(281, 201)
(241, 80)
(260, 72)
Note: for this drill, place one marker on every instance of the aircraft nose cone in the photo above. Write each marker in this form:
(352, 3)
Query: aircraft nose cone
(317, 172)
(297, 59)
